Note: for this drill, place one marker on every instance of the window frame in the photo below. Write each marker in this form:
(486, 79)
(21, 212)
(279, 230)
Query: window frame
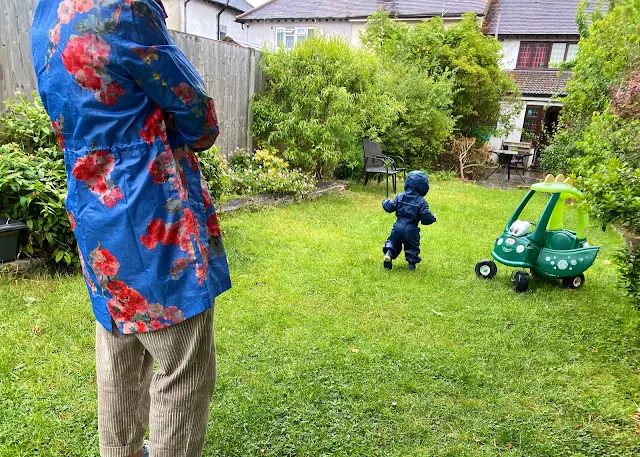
(223, 33)
(294, 33)
(549, 46)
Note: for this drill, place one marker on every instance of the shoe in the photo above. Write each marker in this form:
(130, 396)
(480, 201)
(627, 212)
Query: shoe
(387, 262)
(145, 449)
(412, 267)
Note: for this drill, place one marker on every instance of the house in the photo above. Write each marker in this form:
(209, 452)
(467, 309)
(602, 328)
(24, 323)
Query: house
(208, 18)
(287, 22)
(537, 36)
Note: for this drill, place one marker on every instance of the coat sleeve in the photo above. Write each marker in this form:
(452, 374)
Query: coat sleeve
(163, 72)
(426, 216)
(390, 205)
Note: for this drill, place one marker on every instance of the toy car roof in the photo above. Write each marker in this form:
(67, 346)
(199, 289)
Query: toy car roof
(557, 185)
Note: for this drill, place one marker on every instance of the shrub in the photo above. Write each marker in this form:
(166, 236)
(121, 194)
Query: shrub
(556, 157)
(28, 125)
(321, 98)
(629, 264)
(215, 171)
(460, 52)
(600, 127)
(32, 189)
(265, 172)
(425, 121)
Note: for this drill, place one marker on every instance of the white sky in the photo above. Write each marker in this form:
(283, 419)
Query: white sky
(256, 2)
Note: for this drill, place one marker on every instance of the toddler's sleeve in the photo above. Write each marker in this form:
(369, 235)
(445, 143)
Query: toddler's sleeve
(426, 216)
(390, 205)
(164, 73)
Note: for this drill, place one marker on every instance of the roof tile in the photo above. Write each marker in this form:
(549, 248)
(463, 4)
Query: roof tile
(541, 82)
(533, 17)
(350, 9)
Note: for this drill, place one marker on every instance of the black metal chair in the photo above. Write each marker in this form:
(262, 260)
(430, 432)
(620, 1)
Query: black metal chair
(377, 163)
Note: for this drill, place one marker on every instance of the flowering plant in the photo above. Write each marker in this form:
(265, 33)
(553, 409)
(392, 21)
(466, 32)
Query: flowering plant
(265, 172)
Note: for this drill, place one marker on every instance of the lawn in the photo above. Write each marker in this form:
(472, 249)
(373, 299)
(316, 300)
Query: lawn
(322, 352)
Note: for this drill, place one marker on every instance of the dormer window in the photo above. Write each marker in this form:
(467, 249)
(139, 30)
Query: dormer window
(545, 54)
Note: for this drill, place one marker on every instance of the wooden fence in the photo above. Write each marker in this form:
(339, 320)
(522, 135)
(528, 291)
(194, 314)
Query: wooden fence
(231, 72)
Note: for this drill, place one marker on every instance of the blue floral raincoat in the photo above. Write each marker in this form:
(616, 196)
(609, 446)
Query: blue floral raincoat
(129, 111)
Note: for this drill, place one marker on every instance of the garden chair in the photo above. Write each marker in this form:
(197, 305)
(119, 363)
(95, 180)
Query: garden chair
(377, 163)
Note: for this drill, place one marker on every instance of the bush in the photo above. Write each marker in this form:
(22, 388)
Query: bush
(27, 124)
(32, 189)
(629, 264)
(425, 121)
(265, 172)
(556, 158)
(321, 98)
(215, 171)
(599, 139)
(461, 53)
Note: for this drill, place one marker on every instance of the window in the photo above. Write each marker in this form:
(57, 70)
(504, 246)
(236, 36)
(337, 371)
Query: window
(223, 32)
(531, 125)
(543, 54)
(288, 37)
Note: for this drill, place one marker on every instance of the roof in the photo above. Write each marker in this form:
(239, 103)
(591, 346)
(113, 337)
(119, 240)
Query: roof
(533, 17)
(239, 5)
(536, 82)
(359, 9)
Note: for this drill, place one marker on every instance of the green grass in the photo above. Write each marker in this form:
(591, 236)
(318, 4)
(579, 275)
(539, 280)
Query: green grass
(321, 352)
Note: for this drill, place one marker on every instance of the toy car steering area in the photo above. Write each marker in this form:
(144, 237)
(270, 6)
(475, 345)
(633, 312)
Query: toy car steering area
(547, 249)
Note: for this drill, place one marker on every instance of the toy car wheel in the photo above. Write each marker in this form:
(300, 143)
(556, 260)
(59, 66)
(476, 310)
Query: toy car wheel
(574, 282)
(521, 281)
(486, 269)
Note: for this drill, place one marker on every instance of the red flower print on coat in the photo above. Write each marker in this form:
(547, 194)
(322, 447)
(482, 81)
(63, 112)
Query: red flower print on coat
(110, 95)
(183, 234)
(184, 92)
(164, 168)
(85, 57)
(66, 11)
(129, 308)
(85, 273)
(95, 170)
(213, 225)
(72, 220)
(58, 127)
(54, 34)
(154, 127)
(211, 118)
(83, 6)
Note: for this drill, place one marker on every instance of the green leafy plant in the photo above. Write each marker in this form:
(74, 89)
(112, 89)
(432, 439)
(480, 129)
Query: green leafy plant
(215, 171)
(461, 53)
(33, 189)
(265, 172)
(599, 138)
(629, 264)
(27, 124)
(321, 98)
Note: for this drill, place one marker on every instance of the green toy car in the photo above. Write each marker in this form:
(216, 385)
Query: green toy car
(546, 248)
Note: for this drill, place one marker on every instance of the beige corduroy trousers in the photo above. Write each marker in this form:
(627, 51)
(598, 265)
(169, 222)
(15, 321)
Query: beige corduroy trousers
(172, 400)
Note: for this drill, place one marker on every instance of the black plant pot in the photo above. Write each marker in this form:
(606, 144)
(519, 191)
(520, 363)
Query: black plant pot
(9, 231)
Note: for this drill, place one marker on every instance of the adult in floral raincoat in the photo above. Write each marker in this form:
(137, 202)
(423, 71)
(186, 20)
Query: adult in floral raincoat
(129, 111)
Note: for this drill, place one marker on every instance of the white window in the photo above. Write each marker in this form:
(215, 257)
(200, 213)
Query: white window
(288, 37)
(572, 52)
(557, 54)
(223, 32)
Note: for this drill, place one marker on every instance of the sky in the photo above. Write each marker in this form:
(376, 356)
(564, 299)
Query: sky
(256, 2)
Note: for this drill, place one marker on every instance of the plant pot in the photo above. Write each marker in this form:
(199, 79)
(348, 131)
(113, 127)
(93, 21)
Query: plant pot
(9, 231)
(631, 239)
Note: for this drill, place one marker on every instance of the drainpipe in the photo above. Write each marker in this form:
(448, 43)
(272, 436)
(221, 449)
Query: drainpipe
(184, 11)
(220, 14)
